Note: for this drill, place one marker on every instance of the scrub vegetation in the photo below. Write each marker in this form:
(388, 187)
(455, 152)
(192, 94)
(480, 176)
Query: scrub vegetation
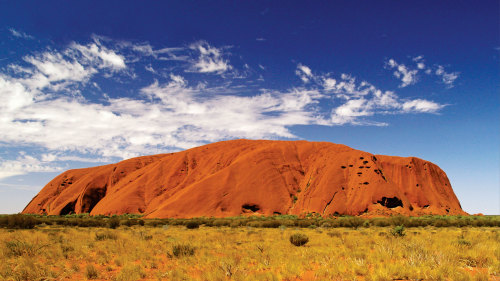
(80, 247)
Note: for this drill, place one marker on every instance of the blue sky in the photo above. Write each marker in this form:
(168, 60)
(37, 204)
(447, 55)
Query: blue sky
(90, 83)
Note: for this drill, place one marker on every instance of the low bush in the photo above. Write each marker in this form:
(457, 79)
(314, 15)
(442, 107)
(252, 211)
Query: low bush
(304, 223)
(20, 221)
(398, 231)
(299, 239)
(221, 222)
(114, 222)
(130, 222)
(254, 224)
(353, 222)
(192, 224)
(99, 236)
(181, 250)
(271, 224)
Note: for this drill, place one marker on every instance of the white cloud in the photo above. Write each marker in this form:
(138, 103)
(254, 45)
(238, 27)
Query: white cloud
(166, 54)
(100, 56)
(421, 106)
(53, 67)
(176, 116)
(150, 69)
(209, 59)
(304, 72)
(20, 34)
(409, 76)
(61, 70)
(361, 99)
(349, 111)
(402, 72)
(448, 78)
(24, 164)
(13, 95)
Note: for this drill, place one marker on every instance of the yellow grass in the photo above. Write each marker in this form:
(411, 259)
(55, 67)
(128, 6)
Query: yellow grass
(244, 253)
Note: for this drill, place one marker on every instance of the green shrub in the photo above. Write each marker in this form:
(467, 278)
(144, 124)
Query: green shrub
(130, 222)
(89, 222)
(114, 222)
(271, 224)
(181, 250)
(440, 223)
(288, 222)
(237, 223)
(353, 222)
(398, 231)
(154, 223)
(192, 224)
(304, 223)
(400, 220)
(221, 222)
(254, 224)
(4, 221)
(299, 239)
(381, 222)
(20, 221)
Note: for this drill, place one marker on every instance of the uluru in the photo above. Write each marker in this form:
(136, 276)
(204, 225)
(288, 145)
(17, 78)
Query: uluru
(253, 177)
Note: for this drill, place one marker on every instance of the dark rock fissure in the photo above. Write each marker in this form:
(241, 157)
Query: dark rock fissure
(92, 197)
(68, 209)
(392, 202)
(250, 207)
(328, 204)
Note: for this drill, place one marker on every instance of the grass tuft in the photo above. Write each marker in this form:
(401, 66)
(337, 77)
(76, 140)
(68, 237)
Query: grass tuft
(181, 250)
(91, 272)
(299, 239)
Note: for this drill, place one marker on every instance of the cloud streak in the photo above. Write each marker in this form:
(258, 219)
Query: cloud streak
(20, 34)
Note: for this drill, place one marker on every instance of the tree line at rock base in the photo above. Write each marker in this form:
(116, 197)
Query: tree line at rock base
(22, 221)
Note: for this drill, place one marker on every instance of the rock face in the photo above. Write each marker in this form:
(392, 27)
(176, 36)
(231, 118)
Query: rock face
(253, 177)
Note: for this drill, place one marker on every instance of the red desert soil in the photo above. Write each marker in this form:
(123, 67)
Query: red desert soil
(265, 177)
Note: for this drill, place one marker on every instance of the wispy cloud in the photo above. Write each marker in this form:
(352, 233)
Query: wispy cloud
(304, 72)
(361, 99)
(420, 105)
(209, 60)
(448, 78)
(20, 34)
(25, 164)
(409, 75)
